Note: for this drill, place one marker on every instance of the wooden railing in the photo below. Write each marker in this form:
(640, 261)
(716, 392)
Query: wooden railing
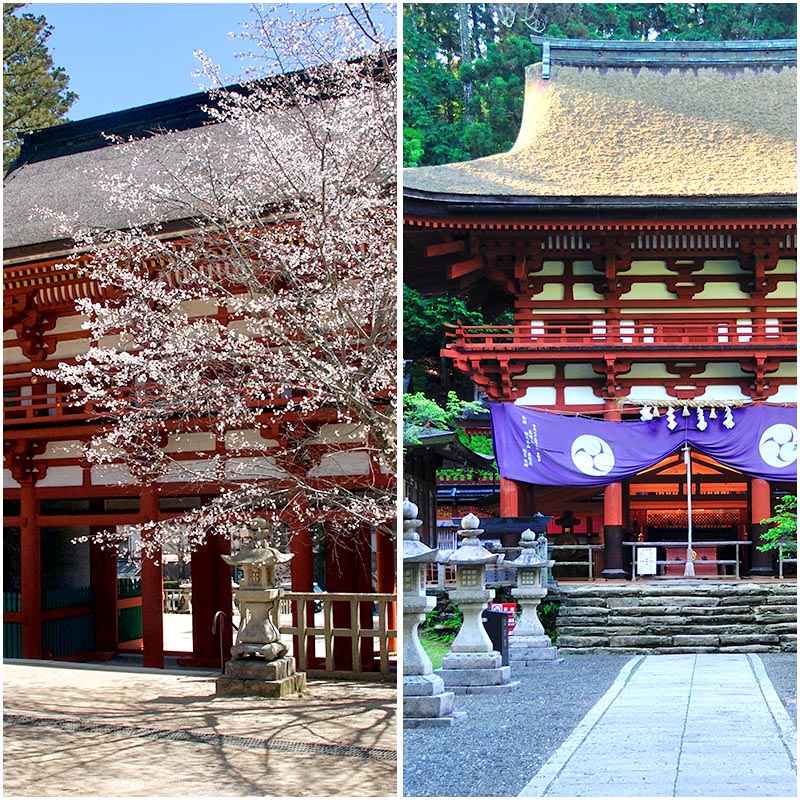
(780, 332)
(307, 634)
(26, 403)
(736, 562)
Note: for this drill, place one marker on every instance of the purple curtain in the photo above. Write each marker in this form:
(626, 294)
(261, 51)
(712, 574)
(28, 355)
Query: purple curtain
(558, 450)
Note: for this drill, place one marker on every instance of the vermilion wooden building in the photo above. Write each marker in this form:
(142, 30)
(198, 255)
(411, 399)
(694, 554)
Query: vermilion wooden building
(62, 597)
(643, 230)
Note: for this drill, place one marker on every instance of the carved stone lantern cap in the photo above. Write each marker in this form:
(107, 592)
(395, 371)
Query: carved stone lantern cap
(258, 562)
(472, 552)
(414, 551)
(529, 555)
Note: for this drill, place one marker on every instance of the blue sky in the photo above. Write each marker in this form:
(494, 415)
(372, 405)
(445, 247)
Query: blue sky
(121, 55)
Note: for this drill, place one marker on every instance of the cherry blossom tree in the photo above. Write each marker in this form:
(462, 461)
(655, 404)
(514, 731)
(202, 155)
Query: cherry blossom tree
(246, 335)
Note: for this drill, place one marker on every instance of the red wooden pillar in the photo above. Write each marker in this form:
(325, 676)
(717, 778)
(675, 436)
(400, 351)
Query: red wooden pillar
(103, 578)
(509, 498)
(302, 547)
(152, 589)
(387, 577)
(348, 569)
(339, 575)
(363, 564)
(211, 592)
(761, 564)
(31, 571)
(613, 518)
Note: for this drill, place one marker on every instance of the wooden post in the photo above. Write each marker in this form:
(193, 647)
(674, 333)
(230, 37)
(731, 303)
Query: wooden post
(302, 546)
(613, 517)
(509, 498)
(387, 578)
(103, 577)
(342, 575)
(211, 592)
(761, 564)
(363, 578)
(152, 590)
(31, 571)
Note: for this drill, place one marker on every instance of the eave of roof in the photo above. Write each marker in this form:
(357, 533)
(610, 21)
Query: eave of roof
(445, 444)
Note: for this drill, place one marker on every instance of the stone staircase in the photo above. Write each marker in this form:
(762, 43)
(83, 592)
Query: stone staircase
(677, 616)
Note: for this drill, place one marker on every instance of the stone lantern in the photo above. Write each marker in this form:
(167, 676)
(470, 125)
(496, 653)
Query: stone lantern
(425, 703)
(530, 643)
(259, 664)
(473, 666)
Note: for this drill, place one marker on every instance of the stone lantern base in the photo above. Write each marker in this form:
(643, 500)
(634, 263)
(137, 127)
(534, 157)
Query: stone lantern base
(528, 651)
(476, 673)
(254, 677)
(426, 704)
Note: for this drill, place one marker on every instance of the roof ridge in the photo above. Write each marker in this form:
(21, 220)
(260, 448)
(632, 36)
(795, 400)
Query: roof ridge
(673, 54)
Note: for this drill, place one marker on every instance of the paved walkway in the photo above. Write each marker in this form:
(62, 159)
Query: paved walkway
(102, 732)
(679, 726)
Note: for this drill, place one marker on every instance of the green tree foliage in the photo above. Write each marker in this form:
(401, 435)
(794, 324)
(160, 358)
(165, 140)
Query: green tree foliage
(441, 126)
(424, 319)
(422, 412)
(783, 532)
(35, 93)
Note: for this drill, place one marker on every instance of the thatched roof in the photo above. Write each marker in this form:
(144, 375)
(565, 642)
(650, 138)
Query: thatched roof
(62, 168)
(652, 127)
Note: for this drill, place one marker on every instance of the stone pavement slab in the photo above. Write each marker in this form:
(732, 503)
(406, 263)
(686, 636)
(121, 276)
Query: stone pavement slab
(96, 732)
(679, 726)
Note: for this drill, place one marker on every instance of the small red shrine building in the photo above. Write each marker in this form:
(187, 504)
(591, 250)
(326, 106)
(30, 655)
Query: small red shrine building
(61, 595)
(643, 231)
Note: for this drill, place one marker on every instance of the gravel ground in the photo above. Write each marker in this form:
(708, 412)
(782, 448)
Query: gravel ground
(782, 671)
(505, 739)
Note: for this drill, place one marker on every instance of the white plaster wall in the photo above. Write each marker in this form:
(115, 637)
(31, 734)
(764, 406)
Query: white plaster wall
(190, 443)
(111, 475)
(785, 290)
(581, 395)
(69, 324)
(62, 476)
(8, 480)
(343, 432)
(191, 469)
(644, 267)
(647, 291)
(70, 449)
(537, 396)
(785, 266)
(253, 468)
(198, 308)
(13, 355)
(544, 372)
(347, 462)
(785, 394)
(722, 393)
(247, 440)
(724, 290)
(585, 291)
(69, 348)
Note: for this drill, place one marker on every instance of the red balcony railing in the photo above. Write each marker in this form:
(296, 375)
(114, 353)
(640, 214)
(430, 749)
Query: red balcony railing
(776, 333)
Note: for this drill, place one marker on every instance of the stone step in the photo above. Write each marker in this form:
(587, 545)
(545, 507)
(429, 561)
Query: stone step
(680, 616)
